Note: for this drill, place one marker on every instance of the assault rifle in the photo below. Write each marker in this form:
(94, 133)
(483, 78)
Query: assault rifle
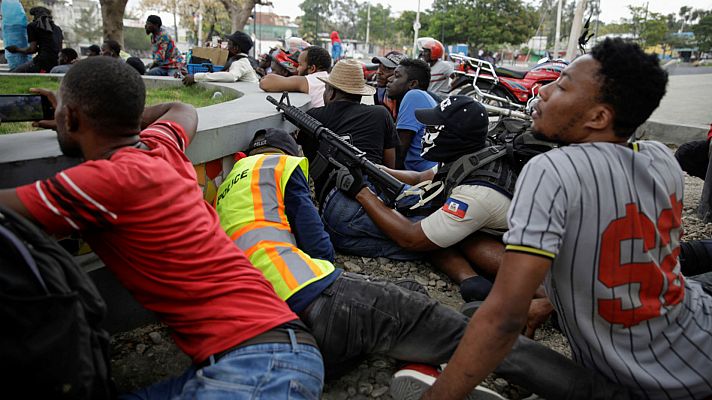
(337, 152)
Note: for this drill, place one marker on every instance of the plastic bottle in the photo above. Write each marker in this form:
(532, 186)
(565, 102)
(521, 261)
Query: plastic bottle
(14, 31)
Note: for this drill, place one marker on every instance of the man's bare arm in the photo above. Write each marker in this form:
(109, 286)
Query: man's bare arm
(410, 177)
(405, 137)
(278, 83)
(9, 199)
(389, 157)
(492, 332)
(400, 229)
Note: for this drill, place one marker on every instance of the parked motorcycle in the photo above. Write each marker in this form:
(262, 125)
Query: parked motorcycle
(508, 88)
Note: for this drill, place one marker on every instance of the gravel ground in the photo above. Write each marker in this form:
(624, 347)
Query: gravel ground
(147, 355)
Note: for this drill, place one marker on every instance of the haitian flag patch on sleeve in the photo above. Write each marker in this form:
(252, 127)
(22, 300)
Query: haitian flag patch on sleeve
(455, 207)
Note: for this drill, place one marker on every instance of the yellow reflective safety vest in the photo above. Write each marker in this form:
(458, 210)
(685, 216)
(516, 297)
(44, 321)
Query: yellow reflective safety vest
(250, 203)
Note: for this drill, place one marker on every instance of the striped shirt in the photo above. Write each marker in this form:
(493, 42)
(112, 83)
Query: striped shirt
(610, 218)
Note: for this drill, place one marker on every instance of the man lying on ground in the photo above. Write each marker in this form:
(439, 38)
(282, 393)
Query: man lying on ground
(314, 63)
(446, 227)
(265, 207)
(599, 221)
(137, 200)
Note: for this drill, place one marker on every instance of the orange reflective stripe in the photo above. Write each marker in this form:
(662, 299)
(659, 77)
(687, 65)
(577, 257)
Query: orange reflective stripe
(256, 195)
(257, 225)
(281, 267)
(278, 171)
(265, 244)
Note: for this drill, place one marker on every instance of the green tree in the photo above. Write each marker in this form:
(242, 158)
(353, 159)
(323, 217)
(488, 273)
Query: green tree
(383, 29)
(313, 21)
(345, 18)
(654, 30)
(703, 33)
(88, 25)
(403, 27)
(480, 25)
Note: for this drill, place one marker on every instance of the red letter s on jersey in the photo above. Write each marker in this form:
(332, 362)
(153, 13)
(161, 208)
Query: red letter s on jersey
(659, 285)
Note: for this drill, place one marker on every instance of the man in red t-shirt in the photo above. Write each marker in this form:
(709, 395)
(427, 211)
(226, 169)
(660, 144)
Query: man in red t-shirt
(137, 203)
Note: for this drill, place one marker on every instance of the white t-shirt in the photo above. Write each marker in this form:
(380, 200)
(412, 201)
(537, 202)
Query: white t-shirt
(316, 88)
(440, 77)
(240, 70)
(469, 208)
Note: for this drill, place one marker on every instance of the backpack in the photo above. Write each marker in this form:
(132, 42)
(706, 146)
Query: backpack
(510, 145)
(51, 345)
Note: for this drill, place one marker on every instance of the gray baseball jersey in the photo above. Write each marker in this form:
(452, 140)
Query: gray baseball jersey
(610, 218)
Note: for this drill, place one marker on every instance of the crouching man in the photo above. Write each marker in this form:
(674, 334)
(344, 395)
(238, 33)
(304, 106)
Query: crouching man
(447, 227)
(137, 201)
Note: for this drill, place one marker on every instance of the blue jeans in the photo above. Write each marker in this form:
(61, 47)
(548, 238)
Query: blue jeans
(352, 231)
(158, 71)
(262, 371)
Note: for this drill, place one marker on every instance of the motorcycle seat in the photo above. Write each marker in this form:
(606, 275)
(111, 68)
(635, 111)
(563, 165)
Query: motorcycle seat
(510, 73)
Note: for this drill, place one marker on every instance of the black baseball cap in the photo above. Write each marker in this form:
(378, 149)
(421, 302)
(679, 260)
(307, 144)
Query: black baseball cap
(274, 137)
(459, 115)
(390, 60)
(242, 40)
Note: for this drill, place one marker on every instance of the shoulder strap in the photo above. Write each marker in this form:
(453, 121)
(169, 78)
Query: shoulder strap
(459, 170)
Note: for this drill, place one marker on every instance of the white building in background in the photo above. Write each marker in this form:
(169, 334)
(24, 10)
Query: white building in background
(537, 43)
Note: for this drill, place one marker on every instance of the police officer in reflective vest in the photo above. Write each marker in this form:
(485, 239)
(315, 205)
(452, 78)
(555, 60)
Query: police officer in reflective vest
(265, 206)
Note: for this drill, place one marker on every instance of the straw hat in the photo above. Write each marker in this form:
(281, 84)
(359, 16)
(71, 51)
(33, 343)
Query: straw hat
(347, 76)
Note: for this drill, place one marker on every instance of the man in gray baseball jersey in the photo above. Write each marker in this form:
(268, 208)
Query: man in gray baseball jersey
(599, 222)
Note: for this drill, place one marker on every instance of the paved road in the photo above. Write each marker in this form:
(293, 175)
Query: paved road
(688, 101)
(687, 69)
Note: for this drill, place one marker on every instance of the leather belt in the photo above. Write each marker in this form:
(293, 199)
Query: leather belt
(279, 334)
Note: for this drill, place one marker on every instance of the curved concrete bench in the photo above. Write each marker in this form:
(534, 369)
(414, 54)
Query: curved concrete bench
(223, 130)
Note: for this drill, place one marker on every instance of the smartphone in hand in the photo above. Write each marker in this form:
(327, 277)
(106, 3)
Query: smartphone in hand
(24, 107)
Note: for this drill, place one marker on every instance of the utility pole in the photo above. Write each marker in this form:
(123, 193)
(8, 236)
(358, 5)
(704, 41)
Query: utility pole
(576, 27)
(368, 26)
(201, 10)
(254, 29)
(557, 36)
(416, 28)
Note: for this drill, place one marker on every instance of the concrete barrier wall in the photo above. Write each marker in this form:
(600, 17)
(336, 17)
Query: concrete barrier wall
(223, 130)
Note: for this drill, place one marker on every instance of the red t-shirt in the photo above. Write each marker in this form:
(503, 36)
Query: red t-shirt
(143, 213)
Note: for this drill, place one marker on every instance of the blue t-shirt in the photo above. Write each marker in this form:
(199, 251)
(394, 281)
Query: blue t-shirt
(413, 100)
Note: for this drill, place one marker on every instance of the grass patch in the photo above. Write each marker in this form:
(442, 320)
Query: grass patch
(197, 96)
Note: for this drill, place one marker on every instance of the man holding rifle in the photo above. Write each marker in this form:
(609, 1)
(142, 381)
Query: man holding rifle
(447, 228)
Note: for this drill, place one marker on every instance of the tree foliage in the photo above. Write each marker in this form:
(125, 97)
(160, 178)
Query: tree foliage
(88, 25)
(703, 33)
(315, 19)
(480, 25)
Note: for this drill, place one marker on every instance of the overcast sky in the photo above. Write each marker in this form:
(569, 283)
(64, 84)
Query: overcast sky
(611, 10)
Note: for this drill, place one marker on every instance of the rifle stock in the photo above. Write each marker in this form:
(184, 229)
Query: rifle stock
(341, 151)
